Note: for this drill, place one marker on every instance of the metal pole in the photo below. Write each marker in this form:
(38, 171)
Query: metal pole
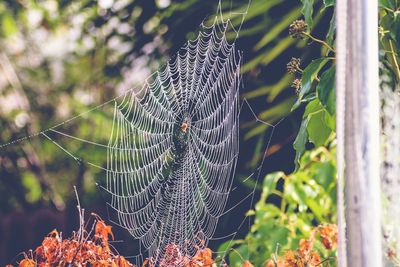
(358, 133)
(341, 26)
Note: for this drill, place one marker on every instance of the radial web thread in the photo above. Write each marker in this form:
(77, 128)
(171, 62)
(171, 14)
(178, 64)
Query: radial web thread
(174, 145)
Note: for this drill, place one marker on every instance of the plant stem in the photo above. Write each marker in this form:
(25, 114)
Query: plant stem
(388, 9)
(397, 69)
(237, 252)
(319, 41)
(325, 260)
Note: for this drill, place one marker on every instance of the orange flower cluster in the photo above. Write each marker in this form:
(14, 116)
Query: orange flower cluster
(329, 235)
(305, 255)
(92, 249)
(174, 257)
(83, 249)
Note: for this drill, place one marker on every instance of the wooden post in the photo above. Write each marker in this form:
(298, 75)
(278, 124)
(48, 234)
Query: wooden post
(358, 151)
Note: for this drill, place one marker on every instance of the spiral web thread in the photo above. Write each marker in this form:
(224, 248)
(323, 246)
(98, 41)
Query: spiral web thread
(169, 185)
(173, 147)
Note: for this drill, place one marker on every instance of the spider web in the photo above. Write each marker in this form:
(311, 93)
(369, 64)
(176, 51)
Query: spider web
(173, 147)
(168, 184)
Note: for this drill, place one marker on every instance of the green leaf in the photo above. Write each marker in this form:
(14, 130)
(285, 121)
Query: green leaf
(330, 121)
(312, 107)
(324, 173)
(306, 99)
(277, 50)
(386, 21)
(269, 184)
(326, 90)
(387, 4)
(274, 32)
(32, 186)
(395, 30)
(307, 11)
(272, 91)
(315, 208)
(299, 143)
(278, 237)
(8, 25)
(332, 28)
(227, 245)
(309, 75)
(313, 128)
(317, 130)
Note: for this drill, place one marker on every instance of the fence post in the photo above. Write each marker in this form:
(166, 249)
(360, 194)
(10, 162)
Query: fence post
(358, 150)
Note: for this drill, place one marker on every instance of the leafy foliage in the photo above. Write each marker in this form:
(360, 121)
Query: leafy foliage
(288, 208)
(327, 97)
(317, 90)
(389, 28)
(307, 11)
(318, 78)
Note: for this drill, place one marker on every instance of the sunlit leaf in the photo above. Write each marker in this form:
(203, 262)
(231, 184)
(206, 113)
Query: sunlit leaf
(272, 91)
(277, 50)
(269, 184)
(330, 121)
(278, 28)
(32, 186)
(307, 11)
(8, 25)
(318, 131)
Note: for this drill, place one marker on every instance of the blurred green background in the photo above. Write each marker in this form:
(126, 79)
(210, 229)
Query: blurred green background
(60, 58)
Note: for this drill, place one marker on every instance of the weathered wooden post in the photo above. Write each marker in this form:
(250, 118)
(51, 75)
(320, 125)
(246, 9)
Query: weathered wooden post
(358, 149)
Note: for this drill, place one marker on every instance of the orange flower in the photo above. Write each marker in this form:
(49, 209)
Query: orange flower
(281, 263)
(203, 257)
(290, 258)
(270, 263)
(81, 250)
(247, 264)
(328, 235)
(27, 263)
(315, 258)
(102, 230)
(305, 247)
(122, 262)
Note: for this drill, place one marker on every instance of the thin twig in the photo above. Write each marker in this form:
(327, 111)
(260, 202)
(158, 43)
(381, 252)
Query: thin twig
(319, 41)
(395, 60)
